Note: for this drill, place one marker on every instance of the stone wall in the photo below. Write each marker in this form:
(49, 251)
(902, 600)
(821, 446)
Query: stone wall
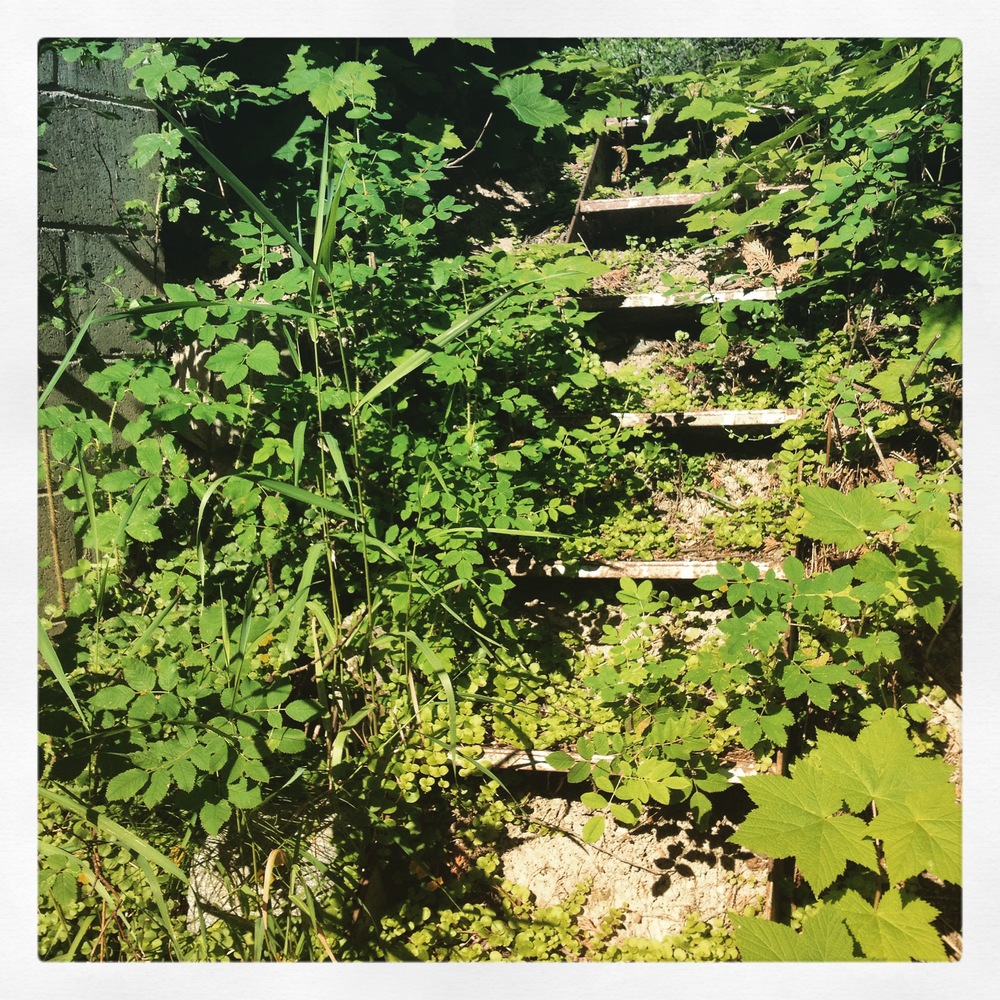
(92, 119)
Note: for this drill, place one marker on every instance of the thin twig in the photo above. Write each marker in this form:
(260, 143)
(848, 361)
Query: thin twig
(475, 145)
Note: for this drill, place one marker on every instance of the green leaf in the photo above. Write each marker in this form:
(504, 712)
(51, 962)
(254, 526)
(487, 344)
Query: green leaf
(921, 832)
(147, 454)
(275, 510)
(898, 931)
(824, 938)
(127, 785)
(941, 331)
(229, 358)
(524, 96)
(301, 710)
(115, 697)
(593, 829)
(841, 519)
(115, 482)
(213, 816)
(594, 800)
(560, 761)
(801, 817)
(263, 358)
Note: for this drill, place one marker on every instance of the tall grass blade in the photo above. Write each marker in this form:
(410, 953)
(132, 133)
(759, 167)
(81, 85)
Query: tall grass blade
(253, 202)
(298, 603)
(51, 657)
(68, 357)
(161, 904)
(114, 830)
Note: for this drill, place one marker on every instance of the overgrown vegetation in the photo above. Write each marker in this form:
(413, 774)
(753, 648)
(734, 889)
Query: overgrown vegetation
(294, 614)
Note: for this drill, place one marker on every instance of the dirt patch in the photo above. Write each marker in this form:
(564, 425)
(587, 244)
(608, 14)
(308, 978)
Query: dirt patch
(661, 871)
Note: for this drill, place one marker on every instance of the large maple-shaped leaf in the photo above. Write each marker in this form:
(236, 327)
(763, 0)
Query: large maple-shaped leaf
(921, 832)
(897, 931)
(824, 938)
(841, 519)
(798, 817)
(879, 764)
(917, 817)
(526, 100)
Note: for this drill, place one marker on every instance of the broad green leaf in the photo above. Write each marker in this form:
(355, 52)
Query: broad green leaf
(227, 359)
(941, 331)
(263, 358)
(126, 785)
(841, 519)
(114, 697)
(878, 765)
(524, 95)
(301, 710)
(932, 530)
(824, 938)
(800, 817)
(594, 800)
(898, 931)
(921, 831)
(560, 761)
(213, 816)
(114, 482)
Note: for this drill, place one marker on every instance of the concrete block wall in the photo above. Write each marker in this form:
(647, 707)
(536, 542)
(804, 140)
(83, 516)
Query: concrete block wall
(92, 120)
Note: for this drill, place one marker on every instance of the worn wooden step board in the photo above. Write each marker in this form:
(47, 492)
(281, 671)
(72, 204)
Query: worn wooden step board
(711, 418)
(607, 222)
(515, 759)
(618, 569)
(673, 203)
(678, 300)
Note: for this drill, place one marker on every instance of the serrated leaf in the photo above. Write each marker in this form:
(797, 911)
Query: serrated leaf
(897, 931)
(921, 832)
(841, 519)
(775, 726)
(142, 526)
(524, 96)
(184, 774)
(114, 482)
(213, 816)
(126, 785)
(115, 697)
(139, 676)
(263, 358)
(156, 791)
(799, 817)
(594, 800)
(147, 454)
(228, 358)
(243, 797)
(302, 710)
(275, 510)
(824, 938)
(579, 772)
(560, 761)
